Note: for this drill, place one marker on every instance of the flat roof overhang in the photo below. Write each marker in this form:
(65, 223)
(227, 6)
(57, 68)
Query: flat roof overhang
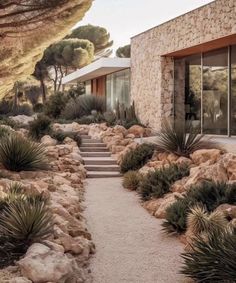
(204, 47)
(101, 67)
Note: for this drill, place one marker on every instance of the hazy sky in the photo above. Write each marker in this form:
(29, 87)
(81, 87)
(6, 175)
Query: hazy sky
(126, 18)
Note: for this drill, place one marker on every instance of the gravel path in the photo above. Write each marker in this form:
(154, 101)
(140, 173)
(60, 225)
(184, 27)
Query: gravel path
(130, 244)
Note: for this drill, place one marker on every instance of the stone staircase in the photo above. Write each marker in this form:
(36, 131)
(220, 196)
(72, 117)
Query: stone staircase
(97, 159)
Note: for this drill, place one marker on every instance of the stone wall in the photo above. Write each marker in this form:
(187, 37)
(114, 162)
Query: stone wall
(152, 74)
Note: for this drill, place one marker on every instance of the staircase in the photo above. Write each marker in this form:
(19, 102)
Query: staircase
(97, 159)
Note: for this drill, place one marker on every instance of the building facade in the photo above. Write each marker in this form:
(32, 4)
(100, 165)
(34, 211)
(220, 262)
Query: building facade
(185, 69)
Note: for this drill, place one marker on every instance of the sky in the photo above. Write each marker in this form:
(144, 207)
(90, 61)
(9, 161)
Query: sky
(126, 18)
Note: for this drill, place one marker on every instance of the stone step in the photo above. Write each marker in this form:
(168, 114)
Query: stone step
(99, 161)
(93, 144)
(90, 141)
(104, 168)
(85, 137)
(94, 149)
(94, 174)
(95, 154)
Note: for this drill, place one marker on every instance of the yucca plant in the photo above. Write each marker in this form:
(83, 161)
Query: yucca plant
(199, 221)
(26, 221)
(182, 139)
(157, 183)
(18, 154)
(212, 260)
(131, 180)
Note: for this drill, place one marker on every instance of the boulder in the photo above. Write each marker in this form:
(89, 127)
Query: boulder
(120, 130)
(152, 205)
(19, 280)
(229, 210)
(41, 264)
(215, 172)
(228, 160)
(183, 161)
(205, 155)
(22, 119)
(48, 141)
(165, 202)
(137, 131)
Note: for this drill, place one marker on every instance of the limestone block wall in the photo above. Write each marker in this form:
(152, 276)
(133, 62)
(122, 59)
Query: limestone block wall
(152, 74)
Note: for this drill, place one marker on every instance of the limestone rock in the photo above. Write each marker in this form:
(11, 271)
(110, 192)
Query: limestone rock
(165, 202)
(41, 264)
(137, 131)
(22, 119)
(20, 280)
(228, 209)
(228, 160)
(205, 155)
(48, 141)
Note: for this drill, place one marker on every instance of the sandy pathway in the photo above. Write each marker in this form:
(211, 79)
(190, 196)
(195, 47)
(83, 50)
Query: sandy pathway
(130, 244)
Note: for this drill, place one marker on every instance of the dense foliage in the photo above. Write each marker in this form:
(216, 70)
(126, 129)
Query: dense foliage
(208, 194)
(212, 260)
(39, 127)
(156, 184)
(131, 180)
(24, 219)
(136, 158)
(55, 105)
(20, 154)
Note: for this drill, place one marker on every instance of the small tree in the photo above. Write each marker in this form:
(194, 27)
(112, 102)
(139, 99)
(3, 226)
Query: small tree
(99, 36)
(124, 52)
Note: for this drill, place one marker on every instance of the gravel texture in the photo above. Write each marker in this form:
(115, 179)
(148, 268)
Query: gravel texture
(131, 246)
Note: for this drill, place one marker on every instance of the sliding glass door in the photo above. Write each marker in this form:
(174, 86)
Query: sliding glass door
(233, 90)
(215, 92)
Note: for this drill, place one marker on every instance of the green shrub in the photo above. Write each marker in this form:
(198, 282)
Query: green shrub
(18, 154)
(182, 140)
(60, 136)
(208, 194)
(156, 184)
(23, 220)
(212, 260)
(38, 108)
(8, 122)
(83, 106)
(39, 127)
(23, 109)
(131, 180)
(26, 221)
(6, 107)
(55, 105)
(137, 158)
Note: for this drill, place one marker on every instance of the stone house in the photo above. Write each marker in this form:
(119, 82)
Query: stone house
(183, 70)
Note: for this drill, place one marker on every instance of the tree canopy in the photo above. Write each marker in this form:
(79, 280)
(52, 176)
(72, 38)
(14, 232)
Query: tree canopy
(99, 36)
(124, 52)
(23, 36)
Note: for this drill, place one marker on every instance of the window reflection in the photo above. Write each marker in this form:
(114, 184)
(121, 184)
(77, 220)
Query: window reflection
(233, 90)
(118, 88)
(215, 92)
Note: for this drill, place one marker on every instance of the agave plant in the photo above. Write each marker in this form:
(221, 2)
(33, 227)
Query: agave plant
(26, 221)
(200, 221)
(182, 139)
(212, 260)
(18, 154)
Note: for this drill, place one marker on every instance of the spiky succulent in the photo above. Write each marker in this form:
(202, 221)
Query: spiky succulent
(182, 139)
(200, 221)
(131, 180)
(18, 154)
(26, 221)
(212, 260)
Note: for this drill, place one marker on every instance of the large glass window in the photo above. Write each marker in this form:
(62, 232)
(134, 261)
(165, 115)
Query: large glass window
(205, 91)
(215, 92)
(118, 88)
(233, 90)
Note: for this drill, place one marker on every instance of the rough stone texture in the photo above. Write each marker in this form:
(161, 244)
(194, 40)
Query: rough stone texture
(152, 81)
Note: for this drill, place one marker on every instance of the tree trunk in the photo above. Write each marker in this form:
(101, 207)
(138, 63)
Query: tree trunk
(44, 91)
